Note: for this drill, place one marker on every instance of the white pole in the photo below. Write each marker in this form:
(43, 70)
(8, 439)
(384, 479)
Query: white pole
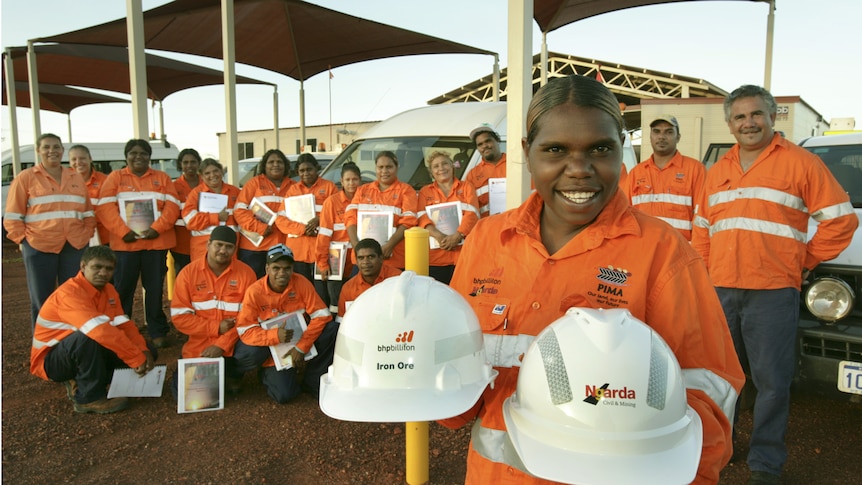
(519, 93)
(13, 112)
(229, 54)
(33, 73)
(137, 67)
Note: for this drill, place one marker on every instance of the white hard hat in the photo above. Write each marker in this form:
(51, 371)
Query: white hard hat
(600, 399)
(408, 349)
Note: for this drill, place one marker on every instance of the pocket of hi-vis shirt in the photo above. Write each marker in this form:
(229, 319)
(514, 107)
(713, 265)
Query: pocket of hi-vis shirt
(502, 349)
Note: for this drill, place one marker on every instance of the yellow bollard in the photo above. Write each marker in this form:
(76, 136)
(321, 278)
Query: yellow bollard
(172, 275)
(416, 433)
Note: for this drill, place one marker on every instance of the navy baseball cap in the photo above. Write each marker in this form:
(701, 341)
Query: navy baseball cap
(278, 252)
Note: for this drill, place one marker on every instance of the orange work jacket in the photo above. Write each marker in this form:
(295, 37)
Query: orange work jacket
(399, 199)
(78, 306)
(461, 192)
(202, 300)
(478, 178)
(181, 185)
(333, 229)
(261, 187)
(303, 246)
(201, 224)
(94, 185)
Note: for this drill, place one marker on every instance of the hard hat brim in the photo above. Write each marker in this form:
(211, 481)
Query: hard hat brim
(396, 405)
(675, 464)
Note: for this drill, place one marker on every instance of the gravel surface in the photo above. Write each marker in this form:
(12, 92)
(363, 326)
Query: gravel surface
(254, 440)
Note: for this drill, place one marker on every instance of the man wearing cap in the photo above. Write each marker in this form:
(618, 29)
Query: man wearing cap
(369, 260)
(493, 165)
(207, 299)
(668, 183)
(281, 291)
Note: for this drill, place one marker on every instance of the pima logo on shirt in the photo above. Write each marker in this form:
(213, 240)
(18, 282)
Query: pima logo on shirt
(613, 276)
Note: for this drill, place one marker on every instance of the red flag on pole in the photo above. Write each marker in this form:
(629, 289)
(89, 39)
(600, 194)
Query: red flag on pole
(330, 72)
(599, 76)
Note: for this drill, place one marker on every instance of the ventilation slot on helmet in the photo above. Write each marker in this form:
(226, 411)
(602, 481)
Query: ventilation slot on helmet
(657, 387)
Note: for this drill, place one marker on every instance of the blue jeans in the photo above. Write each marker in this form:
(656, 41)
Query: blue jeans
(92, 366)
(763, 327)
(46, 271)
(282, 386)
(150, 266)
(255, 259)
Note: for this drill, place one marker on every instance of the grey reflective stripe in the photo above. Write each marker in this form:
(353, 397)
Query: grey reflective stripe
(349, 349)
(339, 226)
(94, 201)
(482, 190)
(54, 325)
(323, 312)
(318, 208)
(49, 199)
(457, 346)
(465, 207)
(181, 311)
(338, 317)
(495, 445)
(683, 200)
(39, 344)
(14, 215)
(700, 221)
(760, 193)
(420, 214)
(180, 222)
(757, 225)
(119, 320)
(678, 223)
(241, 205)
(405, 213)
(241, 330)
(833, 212)
(270, 198)
(156, 195)
(46, 216)
(333, 309)
(89, 214)
(216, 305)
(379, 208)
(352, 207)
(485, 209)
(717, 388)
(324, 231)
(658, 373)
(107, 200)
(190, 216)
(93, 323)
(555, 368)
(506, 350)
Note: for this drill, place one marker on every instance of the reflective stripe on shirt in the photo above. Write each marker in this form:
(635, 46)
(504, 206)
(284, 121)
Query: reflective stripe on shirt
(757, 225)
(683, 200)
(760, 193)
(506, 350)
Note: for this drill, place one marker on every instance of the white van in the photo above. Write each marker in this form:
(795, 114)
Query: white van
(107, 157)
(414, 134)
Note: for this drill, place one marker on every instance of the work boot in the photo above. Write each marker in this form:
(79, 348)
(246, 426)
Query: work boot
(233, 385)
(161, 342)
(103, 406)
(71, 388)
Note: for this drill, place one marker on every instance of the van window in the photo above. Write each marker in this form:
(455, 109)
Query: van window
(845, 163)
(411, 153)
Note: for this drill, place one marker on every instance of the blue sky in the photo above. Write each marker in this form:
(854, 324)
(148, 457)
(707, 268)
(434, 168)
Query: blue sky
(816, 57)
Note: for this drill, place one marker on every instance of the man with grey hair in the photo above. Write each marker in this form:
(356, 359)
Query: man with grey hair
(750, 228)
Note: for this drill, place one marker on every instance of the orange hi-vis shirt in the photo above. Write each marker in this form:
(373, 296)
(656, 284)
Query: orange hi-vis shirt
(47, 213)
(201, 224)
(517, 289)
(400, 199)
(94, 185)
(751, 227)
(668, 193)
(202, 300)
(181, 185)
(461, 192)
(152, 184)
(304, 247)
(478, 178)
(78, 306)
(332, 229)
(356, 286)
(261, 187)
(261, 303)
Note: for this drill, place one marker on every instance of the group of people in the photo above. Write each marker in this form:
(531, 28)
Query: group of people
(716, 273)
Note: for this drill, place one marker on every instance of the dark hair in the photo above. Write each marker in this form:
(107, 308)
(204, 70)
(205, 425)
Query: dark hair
(368, 243)
(388, 154)
(578, 90)
(47, 135)
(137, 142)
(749, 91)
(98, 252)
(261, 167)
(307, 158)
(188, 151)
(81, 147)
(208, 162)
(351, 167)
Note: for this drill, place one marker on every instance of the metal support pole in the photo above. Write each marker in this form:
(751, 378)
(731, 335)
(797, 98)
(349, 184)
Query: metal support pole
(416, 433)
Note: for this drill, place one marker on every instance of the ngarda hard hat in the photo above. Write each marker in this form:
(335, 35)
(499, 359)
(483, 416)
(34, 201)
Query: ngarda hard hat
(408, 349)
(600, 399)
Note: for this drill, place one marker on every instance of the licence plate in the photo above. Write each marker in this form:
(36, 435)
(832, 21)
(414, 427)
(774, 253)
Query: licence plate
(850, 377)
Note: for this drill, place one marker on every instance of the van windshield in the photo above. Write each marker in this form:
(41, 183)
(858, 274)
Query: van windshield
(845, 162)
(411, 153)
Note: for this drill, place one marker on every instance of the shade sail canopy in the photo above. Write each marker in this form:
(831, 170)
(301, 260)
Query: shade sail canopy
(107, 67)
(54, 97)
(553, 14)
(291, 37)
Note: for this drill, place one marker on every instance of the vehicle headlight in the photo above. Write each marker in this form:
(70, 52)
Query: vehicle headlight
(829, 299)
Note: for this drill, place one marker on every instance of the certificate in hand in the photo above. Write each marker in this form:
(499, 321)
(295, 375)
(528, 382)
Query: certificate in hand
(292, 321)
(261, 211)
(300, 208)
(497, 195)
(137, 211)
(212, 203)
(127, 383)
(337, 252)
(446, 218)
(374, 225)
